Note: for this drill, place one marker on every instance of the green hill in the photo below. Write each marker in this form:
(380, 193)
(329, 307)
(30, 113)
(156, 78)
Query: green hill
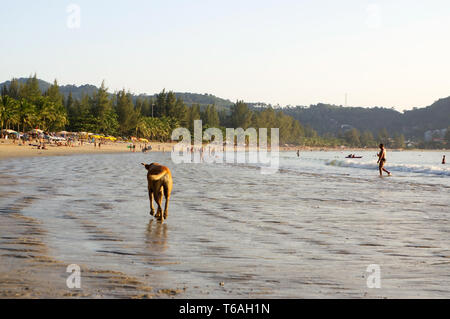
(79, 91)
(323, 118)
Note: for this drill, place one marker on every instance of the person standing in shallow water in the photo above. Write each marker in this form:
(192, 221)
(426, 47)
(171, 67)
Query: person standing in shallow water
(443, 159)
(382, 160)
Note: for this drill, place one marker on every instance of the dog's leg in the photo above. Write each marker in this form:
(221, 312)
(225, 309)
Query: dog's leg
(159, 196)
(167, 195)
(150, 196)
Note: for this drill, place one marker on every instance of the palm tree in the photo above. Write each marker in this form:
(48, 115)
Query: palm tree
(142, 127)
(2, 114)
(27, 114)
(154, 127)
(9, 112)
(50, 115)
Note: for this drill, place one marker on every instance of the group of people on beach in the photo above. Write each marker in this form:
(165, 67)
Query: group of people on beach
(146, 148)
(99, 144)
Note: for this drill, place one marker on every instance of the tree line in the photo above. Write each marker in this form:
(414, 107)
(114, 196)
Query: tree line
(23, 107)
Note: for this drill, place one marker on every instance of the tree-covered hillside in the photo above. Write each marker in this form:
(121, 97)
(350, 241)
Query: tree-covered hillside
(23, 106)
(435, 116)
(87, 89)
(325, 118)
(334, 124)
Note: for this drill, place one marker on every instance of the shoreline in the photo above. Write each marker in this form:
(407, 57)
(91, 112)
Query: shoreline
(9, 150)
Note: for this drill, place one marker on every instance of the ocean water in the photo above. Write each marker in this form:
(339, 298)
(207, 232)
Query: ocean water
(310, 230)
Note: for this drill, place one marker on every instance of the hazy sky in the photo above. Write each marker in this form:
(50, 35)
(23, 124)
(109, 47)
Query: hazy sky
(391, 53)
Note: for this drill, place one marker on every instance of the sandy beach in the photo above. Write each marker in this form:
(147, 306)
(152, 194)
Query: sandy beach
(28, 271)
(230, 224)
(10, 150)
(115, 263)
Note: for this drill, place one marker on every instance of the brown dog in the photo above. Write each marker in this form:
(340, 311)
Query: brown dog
(159, 179)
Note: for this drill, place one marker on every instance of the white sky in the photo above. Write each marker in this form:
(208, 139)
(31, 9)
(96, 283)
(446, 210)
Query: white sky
(392, 53)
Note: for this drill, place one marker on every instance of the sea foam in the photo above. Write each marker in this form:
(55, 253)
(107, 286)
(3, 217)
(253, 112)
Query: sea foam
(409, 168)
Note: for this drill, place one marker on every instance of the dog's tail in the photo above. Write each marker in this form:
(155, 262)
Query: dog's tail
(159, 175)
(156, 172)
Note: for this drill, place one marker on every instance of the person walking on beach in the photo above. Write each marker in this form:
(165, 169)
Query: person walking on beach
(382, 160)
(443, 159)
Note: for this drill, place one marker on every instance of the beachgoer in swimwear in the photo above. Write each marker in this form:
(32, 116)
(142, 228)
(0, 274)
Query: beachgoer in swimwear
(382, 160)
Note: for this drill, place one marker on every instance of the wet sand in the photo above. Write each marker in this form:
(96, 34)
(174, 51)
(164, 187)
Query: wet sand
(28, 271)
(9, 150)
(289, 235)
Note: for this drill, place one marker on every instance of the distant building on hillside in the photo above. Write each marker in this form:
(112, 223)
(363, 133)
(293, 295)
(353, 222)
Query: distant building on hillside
(434, 135)
(346, 127)
(410, 144)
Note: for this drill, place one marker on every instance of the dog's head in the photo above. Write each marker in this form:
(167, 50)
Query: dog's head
(148, 166)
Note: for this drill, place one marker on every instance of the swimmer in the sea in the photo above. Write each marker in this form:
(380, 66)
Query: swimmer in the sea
(382, 160)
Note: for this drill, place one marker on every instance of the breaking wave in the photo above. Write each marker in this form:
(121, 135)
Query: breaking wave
(409, 168)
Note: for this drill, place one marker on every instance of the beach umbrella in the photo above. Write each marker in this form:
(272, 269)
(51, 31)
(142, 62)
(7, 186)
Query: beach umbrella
(37, 131)
(8, 131)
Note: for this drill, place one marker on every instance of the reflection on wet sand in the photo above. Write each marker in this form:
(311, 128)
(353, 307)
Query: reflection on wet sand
(156, 237)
